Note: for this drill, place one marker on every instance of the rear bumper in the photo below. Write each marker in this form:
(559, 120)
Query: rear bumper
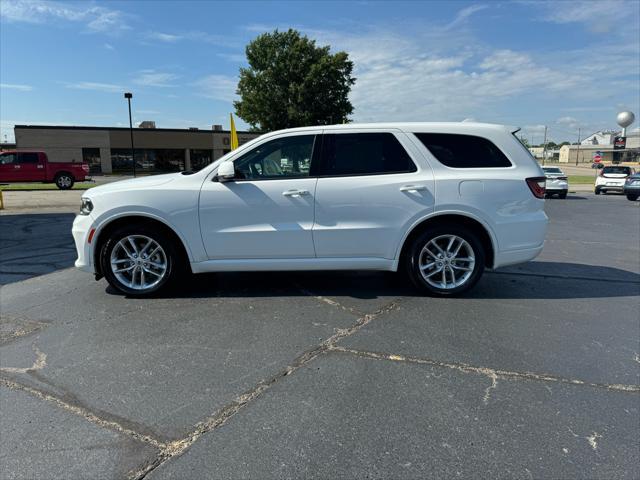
(82, 225)
(513, 257)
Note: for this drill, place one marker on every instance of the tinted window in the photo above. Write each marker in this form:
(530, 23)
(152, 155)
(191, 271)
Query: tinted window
(280, 158)
(463, 151)
(623, 170)
(552, 170)
(364, 154)
(27, 158)
(7, 158)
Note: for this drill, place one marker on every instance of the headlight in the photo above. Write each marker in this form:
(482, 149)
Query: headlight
(86, 206)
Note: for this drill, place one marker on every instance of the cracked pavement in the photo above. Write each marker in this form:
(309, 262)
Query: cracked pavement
(326, 375)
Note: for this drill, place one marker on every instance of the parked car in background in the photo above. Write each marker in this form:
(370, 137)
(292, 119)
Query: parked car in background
(31, 166)
(557, 182)
(441, 201)
(612, 179)
(632, 187)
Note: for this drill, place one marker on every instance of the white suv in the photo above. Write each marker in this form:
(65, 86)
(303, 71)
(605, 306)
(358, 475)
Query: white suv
(440, 200)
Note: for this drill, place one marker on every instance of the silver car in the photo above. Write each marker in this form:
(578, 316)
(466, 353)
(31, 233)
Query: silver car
(557, 182)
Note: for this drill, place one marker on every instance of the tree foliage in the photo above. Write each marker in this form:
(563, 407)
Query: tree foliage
(290, 82)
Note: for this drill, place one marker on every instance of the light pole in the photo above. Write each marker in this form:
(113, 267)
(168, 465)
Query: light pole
(128, 96)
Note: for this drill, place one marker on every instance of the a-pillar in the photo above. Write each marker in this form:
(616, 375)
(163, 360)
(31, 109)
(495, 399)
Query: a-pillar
(187, 159)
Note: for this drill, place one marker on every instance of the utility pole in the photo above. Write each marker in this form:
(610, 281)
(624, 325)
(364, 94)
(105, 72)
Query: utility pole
(578, 149)
(128, 96)
(544, 146)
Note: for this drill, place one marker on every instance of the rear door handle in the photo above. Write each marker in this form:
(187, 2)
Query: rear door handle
(412, 188)
(295, 193)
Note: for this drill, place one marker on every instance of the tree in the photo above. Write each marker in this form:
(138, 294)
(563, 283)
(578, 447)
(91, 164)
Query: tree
(290, 82)
(524, 141)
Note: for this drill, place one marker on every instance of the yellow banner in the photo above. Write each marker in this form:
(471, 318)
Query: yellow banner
(234, 134)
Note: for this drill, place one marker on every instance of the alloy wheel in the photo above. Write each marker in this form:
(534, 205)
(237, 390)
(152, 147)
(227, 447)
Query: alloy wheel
(447, 262)
(138, 262)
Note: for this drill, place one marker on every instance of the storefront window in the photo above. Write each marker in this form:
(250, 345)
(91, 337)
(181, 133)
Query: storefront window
(200, 159)
(92, 157)
(148, 160)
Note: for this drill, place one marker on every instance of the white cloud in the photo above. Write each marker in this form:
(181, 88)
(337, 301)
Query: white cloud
(108, 46)
(151, 78)
(218, 87)
(96, 86)
(164, 37)
(193, 36)
(15, 86)
(599, 16)
(464, 14)
(95, 18)
(428, 74)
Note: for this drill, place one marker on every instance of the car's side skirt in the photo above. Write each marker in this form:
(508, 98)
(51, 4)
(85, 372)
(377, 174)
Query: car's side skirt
(290, 264)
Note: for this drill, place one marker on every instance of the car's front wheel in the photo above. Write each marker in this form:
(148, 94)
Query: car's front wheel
(631, 197)
(446, 260)
(138, 260)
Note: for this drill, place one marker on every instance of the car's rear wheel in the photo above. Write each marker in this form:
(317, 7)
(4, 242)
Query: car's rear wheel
(139, 261)
(445, 260)
(633, 198)
(563, 195)
(64, 181)
(597, 191)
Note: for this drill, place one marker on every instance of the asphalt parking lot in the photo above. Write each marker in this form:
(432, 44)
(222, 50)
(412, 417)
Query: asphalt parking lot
(535, 374)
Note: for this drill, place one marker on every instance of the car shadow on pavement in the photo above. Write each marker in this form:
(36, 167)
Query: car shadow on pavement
(533, 280)
(34, 244)
(568, 197)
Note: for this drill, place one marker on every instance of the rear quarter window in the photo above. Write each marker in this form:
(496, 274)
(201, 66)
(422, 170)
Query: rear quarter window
(463, 151)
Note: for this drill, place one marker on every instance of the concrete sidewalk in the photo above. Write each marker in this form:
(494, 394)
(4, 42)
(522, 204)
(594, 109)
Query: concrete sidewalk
(43, 201)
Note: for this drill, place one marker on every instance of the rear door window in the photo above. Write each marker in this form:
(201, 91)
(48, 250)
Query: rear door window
(27, 158)
(463, 151)
(378, 153)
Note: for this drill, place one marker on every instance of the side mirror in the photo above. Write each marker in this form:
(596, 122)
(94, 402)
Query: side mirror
(226, 172)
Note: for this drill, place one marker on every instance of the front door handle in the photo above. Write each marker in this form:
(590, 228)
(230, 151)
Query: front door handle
(412, 188)
(295, 193)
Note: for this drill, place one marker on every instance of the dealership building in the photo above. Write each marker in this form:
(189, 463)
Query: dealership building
(108, 149)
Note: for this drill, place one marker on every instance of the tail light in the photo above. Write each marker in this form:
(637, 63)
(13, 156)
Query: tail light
(537, 186)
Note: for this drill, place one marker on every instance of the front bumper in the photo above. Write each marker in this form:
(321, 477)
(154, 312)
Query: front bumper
(82, 226)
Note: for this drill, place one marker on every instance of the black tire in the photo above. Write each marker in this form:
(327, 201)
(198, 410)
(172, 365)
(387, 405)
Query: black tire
(631, 197)
(415, 253)
(563, 196)
(171, 257)
(597, 191)
(64, 180)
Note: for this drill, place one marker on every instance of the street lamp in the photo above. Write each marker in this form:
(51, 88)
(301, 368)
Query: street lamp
(129, 96)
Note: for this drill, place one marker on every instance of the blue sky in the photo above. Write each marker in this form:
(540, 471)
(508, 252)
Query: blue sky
(563, 64)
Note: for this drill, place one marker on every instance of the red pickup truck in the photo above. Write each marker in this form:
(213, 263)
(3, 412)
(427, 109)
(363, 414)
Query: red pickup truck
(31, 166)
